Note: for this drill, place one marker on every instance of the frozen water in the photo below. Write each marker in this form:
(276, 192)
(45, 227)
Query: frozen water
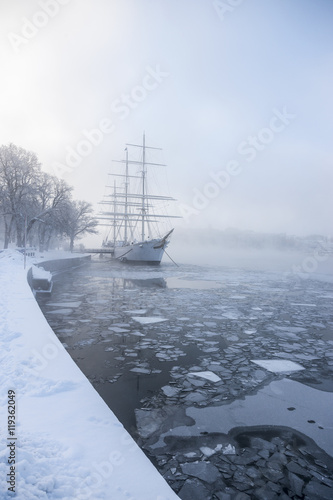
(229, 450)
(162, 338)
(64, 304)
(83, 343)
(170, 391)
(267, 407)
(202, 470)
(212, 377)
(195, 397)
(137, 369)
(278, 365)
(137, 311)
(231, 315)
(208, 452)
(116, 329)
(304, 305)
(137, 334)
(175, 282)
(61, 311)
(293, 329)
(250, 331)
(147, 320)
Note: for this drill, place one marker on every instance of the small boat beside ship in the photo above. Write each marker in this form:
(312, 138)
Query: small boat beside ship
(132, 213)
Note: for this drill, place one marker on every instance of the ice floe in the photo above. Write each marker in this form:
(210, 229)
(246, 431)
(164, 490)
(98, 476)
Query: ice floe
(137, 369)
(61, 311)
(170, 391)
(278, 365)
(117, 329)
(250, 317)
(137, 311)
(148, 320)
(212, 377)
(64, 304)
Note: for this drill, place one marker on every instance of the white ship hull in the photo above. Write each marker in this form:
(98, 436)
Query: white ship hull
(146, 252)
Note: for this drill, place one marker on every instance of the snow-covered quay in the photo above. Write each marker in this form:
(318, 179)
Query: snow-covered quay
(64, 442)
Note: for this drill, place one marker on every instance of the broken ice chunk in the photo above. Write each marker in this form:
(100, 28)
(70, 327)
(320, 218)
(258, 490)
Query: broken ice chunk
(229, 450)
(137, 334)
(195, 397)
(304, 305)
(250, 331)
(137, 311)
(203, 470)
(212, 377)
(146, 320)
(60, 311)
(138, 369)
(63, 304)
(231, 315)
(278, 365)
(116, 329)
(170, 391)
(208, 452)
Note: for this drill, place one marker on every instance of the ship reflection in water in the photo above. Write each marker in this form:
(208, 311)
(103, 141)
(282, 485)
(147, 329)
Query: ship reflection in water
(150, 282)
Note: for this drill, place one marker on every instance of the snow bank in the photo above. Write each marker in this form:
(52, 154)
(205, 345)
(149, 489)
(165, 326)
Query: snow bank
(40, 273)
(69, 445)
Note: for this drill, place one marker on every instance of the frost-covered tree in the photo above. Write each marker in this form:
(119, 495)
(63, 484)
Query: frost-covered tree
(78, 220)
(19, 170)
(51, 194)
(6, 215)
(36, 206)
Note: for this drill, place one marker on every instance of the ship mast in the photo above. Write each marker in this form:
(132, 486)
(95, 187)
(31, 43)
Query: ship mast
(121, 213)
(114, 211)
(143, 188)
(126, 197)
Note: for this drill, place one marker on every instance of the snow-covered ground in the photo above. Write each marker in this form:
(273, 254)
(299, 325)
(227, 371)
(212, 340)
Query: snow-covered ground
(66, 442)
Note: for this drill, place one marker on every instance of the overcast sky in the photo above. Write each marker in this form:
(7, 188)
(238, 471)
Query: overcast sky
(237, 93)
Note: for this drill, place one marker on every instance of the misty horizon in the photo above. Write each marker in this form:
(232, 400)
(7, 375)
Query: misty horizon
(238, 98)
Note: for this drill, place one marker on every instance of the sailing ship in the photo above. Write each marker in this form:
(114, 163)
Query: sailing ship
(132, 213)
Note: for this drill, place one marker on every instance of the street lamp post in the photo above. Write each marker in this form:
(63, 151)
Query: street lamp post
(25, 235)
(25, 240)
